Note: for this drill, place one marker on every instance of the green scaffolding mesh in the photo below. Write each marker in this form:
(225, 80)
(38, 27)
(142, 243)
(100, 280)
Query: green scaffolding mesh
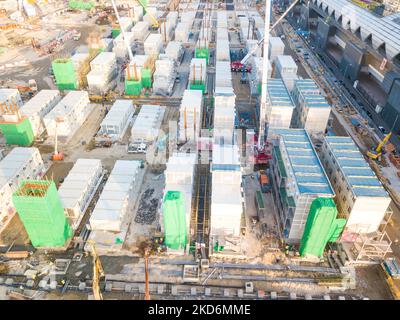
(146, 78)
(133, 88)
(115, 33)
(198, 85)
(202, 53)
(81, 5)
(39, 207)
(65, 75)
(20, 133)
(321, 227)
(174, 220)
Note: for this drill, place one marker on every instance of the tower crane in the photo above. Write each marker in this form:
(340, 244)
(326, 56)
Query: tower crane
(264, 109)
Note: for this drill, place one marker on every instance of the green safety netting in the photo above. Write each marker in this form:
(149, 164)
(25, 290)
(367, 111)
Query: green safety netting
(202, 53)
(174, 220)
(133, 88)
(20, 133)
(81, 5)
(39, 207)
(65, 75)
(146, 78)
(321, 227)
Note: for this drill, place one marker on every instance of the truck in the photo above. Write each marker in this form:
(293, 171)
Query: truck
(237, 66)
(265, 182)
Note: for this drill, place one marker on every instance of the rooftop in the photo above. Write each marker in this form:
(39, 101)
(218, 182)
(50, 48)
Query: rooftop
(357, 171)
(309, 175)
(278, 94)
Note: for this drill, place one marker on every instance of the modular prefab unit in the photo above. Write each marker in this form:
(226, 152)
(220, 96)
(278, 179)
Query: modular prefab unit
(103, 70)
(276, 47)
(226, 194)
(38, 107)
(280, 104)
(223, 52)
(18, 165)
(182, 32)
(119, 47)
(164, 77)
(222, 34)
(10, 96)
(153, 44)
(250, 45)
(105, 61)
(174, 51)
(126, 23)
(255, 76)
(312, 110)
(222, 19)
(179, 176)
(147, 124)
(137, 14)
(116, 197)
(68, 115)
(223, 74)
(140, 31)
(138, 63)
(361, 198)
(224, 113)
(298, 178)
(190, 112)
(188, 17)
(79, 187)
(117, 120)
(285, 66)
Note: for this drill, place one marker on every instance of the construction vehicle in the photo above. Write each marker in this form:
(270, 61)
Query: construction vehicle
(391, 272)
(260, 151)
(98, 272)
(265, 182)
(376, 154)
(237, 66)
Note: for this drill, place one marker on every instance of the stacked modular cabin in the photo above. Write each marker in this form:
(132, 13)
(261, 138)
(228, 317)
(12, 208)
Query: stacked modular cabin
(38, 107)
(182, 32)
(164, 77)
(280, 104)
(10, 96)
(312, 110)
(179, 177)
(174, 51)
(224, 113)
(103, 71)
(298, 179)
(116, 122)
(276, 47)
(108, 221)
(153, 44)
(255, 76)
(78, 188)
(190, 115)
(198, 74)
(223, 74)
(137, 75)
(18, 165)
(119, 47)
(361, 198)
(140, 31)
(286, 69)
(68, 115)
(147, 124)
(226, 196)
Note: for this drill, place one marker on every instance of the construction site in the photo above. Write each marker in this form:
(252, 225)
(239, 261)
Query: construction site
(186, 149)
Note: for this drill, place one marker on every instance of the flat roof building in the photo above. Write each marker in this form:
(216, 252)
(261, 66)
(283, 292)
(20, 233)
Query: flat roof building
(361, 198)
(298, 178)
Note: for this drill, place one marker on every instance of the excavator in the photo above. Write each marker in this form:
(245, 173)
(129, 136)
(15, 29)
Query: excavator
(376, 154)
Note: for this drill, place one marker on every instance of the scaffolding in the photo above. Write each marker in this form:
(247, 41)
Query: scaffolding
(39, 207)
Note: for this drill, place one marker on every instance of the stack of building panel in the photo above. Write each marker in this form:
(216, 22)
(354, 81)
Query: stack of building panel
(79, 187)
(115, 123)
(147, 124)
(164, 77)
(38, 107)
(68, 115)
(103, 70)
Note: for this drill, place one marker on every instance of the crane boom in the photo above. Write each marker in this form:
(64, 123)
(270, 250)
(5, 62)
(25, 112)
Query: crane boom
(128, 47)
(155, 24)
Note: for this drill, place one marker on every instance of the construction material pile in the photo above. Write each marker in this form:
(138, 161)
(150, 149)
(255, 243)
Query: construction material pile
(147, 210)
(103, 70)
(164, 77)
